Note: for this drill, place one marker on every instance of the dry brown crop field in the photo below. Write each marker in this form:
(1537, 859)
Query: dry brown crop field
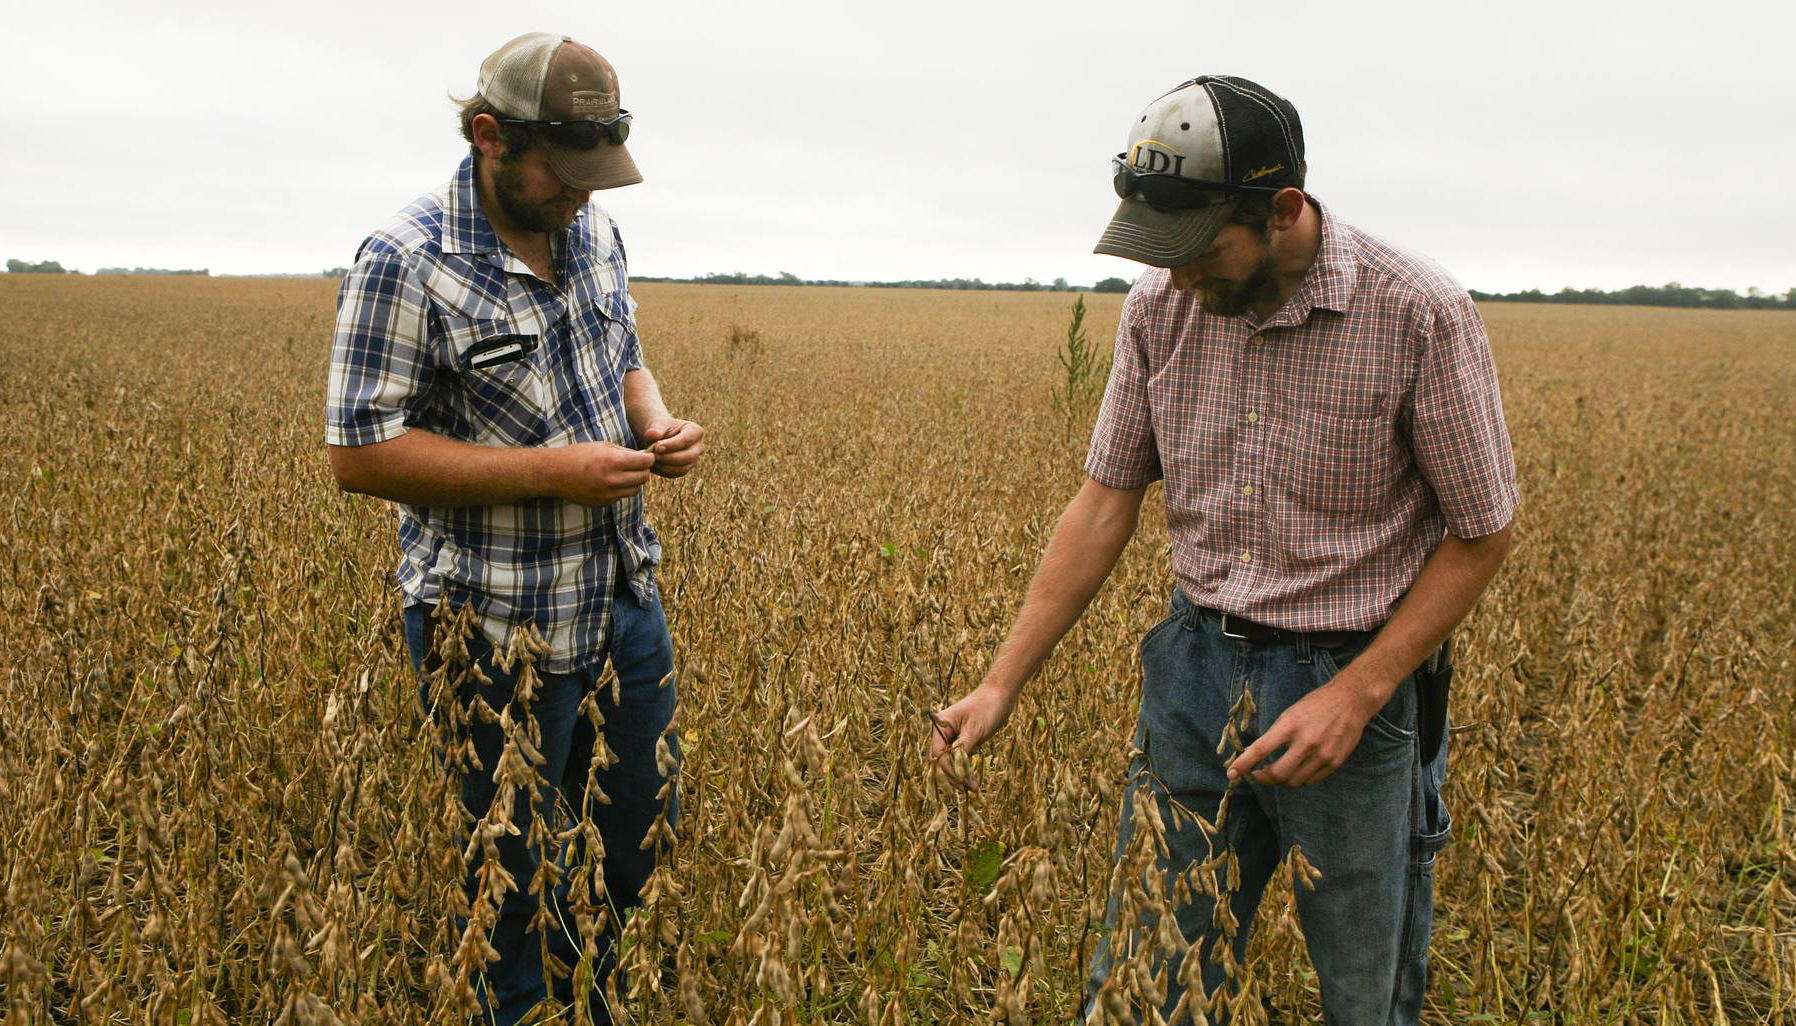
(217, 805)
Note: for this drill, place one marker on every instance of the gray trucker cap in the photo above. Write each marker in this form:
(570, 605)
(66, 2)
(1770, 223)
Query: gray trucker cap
(542, 76)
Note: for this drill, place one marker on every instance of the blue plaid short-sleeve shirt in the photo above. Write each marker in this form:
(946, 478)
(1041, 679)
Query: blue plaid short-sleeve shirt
(441, 328)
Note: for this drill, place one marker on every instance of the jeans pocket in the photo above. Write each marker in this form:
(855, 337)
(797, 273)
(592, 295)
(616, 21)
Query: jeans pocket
(1434, 821)
(1396, 721)
(1433, 828)
(1418, 921)
(1181, 612)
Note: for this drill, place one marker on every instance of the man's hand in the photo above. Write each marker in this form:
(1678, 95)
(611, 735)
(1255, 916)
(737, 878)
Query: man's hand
(596, 473)
(1090, 536)
(676, 445)
(1318, 733)
(1321, 731)
(964, 726)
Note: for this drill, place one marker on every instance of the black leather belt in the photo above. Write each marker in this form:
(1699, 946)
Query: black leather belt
(1238, 629)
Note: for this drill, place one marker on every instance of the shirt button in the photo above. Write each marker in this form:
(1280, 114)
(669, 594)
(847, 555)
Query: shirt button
(1253, 416)
(1247, 489)
(1246, 557)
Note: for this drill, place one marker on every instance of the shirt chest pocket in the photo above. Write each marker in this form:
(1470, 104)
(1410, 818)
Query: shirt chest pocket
(501, 390)
(608, 317)
(1340, 456)
(606, 345)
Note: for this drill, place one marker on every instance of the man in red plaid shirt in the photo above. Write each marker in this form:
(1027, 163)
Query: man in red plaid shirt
(1339, 487)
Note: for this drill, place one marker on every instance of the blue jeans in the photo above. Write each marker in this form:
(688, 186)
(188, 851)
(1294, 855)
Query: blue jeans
(1372, 828)
(641, 651)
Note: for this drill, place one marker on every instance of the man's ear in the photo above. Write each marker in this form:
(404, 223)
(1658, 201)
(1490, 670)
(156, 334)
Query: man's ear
(1287, 208)
(488, 138)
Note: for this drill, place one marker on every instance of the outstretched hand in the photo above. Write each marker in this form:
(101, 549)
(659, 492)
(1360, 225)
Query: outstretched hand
(962, 727)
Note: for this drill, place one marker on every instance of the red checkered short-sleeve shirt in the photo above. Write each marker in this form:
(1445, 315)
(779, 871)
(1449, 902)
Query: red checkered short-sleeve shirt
(1312, 461)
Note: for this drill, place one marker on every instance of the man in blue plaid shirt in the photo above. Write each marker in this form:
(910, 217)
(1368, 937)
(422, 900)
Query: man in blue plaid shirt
(486, 376)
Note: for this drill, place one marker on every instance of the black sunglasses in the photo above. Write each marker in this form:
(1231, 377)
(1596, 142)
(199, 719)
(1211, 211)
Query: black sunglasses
(580, 135)
(1166, 192)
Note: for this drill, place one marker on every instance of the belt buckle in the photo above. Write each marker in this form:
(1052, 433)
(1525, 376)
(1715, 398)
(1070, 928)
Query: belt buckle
(1231, 634)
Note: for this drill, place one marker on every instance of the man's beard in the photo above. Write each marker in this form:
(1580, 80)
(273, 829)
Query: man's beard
(1232, 299)
(508, 186)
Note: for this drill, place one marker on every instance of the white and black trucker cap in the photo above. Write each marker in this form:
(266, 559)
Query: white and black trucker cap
(1215, 130)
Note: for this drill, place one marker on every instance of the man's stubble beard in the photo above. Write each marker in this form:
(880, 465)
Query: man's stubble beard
(508, 186)
(1233, 299)
(1236, 298)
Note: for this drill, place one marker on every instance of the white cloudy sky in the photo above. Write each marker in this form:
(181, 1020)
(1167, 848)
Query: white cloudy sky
(1523, 144)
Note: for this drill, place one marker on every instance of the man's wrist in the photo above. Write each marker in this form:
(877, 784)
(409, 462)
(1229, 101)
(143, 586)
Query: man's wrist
(1369, 691)
(542, 471)
(1002, 686)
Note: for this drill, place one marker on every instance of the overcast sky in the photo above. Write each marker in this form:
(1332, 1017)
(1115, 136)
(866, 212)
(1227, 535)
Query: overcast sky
(1523, 144)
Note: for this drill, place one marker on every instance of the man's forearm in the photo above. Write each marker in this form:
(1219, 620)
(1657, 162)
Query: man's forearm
(642, 400)
(1091, 535)
(1450, 583)
(424, 469)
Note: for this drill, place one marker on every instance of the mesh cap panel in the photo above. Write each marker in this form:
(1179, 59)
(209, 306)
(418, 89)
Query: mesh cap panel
(511, 78)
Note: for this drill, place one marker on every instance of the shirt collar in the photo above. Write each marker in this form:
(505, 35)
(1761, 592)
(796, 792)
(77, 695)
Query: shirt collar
(1331, 279)
(467, 230)
(465, 227)
(576, 242)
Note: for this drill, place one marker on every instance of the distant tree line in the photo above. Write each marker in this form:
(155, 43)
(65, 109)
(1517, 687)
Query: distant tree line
(42, 267)
(957, 284)
(1669, 294)
(53, 267)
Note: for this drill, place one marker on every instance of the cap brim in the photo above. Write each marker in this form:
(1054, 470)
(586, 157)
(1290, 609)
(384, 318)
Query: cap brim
(1162, 238)
(605, 166)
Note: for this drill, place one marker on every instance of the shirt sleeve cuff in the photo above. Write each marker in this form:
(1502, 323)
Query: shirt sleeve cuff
(366, 433)
(1120, 478)
(1480, 522)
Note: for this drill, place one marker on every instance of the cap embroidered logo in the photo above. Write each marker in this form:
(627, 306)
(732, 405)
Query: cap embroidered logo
(1154, 157)
(593, 104)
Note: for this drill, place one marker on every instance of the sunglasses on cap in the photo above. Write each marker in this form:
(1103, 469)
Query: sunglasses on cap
(1166, 192)
(580, 135)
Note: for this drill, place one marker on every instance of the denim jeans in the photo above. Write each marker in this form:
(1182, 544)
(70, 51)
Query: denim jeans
(639, 648)
(1372, 828)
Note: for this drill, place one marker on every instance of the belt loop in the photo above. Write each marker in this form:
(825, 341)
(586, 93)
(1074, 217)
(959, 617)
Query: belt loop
(1190, 623)
(1305, 655)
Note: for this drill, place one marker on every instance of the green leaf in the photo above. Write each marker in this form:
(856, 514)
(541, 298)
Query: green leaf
(980, 869)
(714, 937)
(1012, 960)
